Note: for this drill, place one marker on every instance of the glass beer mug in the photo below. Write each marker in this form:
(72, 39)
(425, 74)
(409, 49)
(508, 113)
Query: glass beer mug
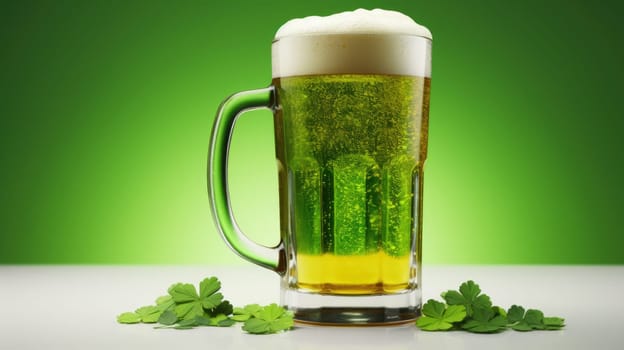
(350, 99)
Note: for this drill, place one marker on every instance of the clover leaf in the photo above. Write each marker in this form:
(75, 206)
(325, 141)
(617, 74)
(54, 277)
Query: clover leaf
(438, 317)
(245, 313)
(469, 296)
(189, 304)
(145, 314)
(270, 319)
(522, 321)
(485, 320)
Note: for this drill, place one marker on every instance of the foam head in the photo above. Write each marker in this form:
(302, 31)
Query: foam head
(356, 42)
(360, 21)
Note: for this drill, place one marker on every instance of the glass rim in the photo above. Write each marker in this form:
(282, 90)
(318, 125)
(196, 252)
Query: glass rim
(363, 34)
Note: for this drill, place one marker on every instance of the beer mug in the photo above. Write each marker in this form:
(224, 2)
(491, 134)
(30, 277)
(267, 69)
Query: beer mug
(350, 99)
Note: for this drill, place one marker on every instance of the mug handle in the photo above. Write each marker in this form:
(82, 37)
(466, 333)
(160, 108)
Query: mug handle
(272, 258)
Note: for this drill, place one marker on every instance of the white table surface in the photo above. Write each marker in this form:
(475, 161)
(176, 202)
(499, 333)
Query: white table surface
(74, 307)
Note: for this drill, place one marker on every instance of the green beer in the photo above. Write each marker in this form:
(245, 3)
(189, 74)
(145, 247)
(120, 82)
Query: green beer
(352, 175)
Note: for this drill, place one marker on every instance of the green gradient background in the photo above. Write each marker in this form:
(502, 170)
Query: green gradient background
(106, 108)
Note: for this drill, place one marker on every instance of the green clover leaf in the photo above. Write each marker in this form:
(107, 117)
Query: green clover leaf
(485, 320)
(189, 304)
(438, 317)
(469, 296)
(269, 319)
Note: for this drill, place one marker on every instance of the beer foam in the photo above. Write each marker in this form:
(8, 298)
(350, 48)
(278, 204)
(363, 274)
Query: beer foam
(360, 21)
(357, 42)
